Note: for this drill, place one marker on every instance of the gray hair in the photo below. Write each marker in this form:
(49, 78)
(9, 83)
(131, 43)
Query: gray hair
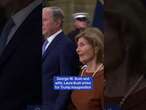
(57, 14)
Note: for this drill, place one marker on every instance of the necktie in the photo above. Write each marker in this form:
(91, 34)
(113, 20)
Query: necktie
(4, 34)
(44, 46)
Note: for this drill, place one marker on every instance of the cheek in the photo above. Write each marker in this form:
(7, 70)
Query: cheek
(45, 28)
(86, 55)
(48, 26)
(90, 54)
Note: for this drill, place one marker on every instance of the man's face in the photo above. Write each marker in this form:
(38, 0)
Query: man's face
(80, 24)
(49, 25)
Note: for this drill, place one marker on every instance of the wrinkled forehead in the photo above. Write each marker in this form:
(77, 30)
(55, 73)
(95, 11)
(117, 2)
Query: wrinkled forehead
(47, 9)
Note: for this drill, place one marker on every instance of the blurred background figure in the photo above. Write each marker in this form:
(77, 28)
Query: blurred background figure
(125, 55)
(80, 22)
(98, 18)
(90, 48)
(20, 54)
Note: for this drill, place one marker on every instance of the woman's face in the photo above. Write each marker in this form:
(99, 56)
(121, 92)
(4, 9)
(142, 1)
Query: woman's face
(85, 51)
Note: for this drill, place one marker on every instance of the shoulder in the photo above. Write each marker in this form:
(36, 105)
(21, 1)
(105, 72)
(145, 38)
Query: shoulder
(100, 71)
(99, 75)
(65, 41)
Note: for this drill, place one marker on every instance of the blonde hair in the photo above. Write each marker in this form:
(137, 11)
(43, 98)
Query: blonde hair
(96, 39)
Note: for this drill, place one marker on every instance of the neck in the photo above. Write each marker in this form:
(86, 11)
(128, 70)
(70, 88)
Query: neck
(50, 34)
(92, 66)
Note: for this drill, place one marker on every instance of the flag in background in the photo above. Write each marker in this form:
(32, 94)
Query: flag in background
(98, 15)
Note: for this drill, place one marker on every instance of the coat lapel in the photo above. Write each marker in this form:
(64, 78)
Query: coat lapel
(18, 36)
(10, 47)
(53, 44)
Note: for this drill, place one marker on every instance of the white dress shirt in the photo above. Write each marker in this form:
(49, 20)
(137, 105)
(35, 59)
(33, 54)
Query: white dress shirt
(51, 38)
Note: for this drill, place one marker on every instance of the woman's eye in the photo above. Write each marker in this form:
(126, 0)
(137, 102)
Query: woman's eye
(82, 44)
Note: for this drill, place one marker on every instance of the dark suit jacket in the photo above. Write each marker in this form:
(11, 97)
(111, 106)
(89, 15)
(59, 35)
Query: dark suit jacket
(73, 34)
(2, 18)
(20, 65)
(59, 59)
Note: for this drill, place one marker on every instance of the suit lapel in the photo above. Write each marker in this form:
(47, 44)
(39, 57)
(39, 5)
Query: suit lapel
(11, 47)
(53, 44)
(18, 36)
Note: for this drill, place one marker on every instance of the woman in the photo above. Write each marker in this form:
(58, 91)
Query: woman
(125, 55)
(90, 50)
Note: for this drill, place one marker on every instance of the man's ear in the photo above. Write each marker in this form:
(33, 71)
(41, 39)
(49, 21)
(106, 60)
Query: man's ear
(58, 23)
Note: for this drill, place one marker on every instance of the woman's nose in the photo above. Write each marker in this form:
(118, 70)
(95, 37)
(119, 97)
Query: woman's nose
(77, 50)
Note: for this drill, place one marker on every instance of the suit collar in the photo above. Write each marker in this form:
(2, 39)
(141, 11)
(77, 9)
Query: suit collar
(52, 37)
(53, 44)
(18, 36)
(21, 15)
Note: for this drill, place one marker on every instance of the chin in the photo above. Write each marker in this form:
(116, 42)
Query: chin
(83, 61)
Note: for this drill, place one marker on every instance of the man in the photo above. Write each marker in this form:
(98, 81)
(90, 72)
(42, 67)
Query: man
(80, 22)
(20, 55)
(59, 58)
